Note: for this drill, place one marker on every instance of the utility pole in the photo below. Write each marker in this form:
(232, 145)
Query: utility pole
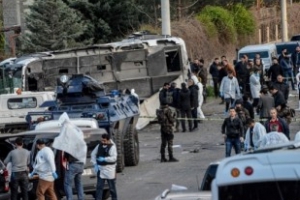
(165, 17)
(284, 27)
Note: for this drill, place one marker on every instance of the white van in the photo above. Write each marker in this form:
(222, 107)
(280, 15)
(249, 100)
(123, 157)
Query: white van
(267, 173)
(266, 52)
(14, 108)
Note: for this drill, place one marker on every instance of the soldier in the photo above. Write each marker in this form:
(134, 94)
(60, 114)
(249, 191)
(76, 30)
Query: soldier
(166, 118)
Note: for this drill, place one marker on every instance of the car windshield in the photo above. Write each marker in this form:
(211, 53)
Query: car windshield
(251, 55)
(290, 47)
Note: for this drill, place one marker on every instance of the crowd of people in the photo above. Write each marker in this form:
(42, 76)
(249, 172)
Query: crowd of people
(246, 89)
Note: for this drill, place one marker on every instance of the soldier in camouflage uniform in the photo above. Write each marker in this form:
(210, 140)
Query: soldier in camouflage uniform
(167, 136)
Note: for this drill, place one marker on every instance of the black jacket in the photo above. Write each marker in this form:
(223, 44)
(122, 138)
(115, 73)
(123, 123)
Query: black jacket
(194, 89)
(222, 74)
(283, 87)
(175, 93)
(184, 99)
(296, 58)
(279, 99)
(274, 71)
(163, 96)
(233, 128)
(241, 70)
(247, 105)
(213, 70)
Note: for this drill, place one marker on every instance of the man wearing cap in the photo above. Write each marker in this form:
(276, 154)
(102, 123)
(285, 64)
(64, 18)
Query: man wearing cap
(45, 167)
(19, 159)
(274, 70)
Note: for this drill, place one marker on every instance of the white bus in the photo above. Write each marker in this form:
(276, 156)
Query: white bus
(271, 173)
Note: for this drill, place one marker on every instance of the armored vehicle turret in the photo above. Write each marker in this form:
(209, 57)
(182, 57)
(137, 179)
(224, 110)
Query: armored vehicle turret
(82, 96)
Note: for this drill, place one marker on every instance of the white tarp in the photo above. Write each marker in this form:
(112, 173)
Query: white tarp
(71, 139)
(273, 138)
(297, 136)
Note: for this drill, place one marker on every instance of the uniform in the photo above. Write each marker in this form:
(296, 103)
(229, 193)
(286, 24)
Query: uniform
(167, 136)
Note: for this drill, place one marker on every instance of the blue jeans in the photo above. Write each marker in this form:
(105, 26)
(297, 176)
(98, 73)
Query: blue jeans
(111, 185)
(232, 142)
(74, 173)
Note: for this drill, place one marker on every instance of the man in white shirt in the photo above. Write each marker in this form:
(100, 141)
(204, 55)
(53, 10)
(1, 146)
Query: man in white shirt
(104, 158)
(45, 168)
(254, 135)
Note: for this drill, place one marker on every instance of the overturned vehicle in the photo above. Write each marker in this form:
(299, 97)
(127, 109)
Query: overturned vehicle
(81, 96)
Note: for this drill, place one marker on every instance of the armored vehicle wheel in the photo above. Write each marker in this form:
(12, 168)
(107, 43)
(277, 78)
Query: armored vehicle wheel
(120, 151)
(131, 147)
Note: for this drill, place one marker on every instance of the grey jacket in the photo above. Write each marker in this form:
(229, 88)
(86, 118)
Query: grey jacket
(266, 102)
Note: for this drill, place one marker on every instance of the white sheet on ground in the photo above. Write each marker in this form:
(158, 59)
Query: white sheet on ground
(71, 139)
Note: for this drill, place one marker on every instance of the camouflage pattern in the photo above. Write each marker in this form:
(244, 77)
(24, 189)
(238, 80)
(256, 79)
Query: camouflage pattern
(167, 135)
(168, 124)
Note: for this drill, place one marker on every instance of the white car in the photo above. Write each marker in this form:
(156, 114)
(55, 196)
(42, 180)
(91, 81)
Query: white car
(169, 194)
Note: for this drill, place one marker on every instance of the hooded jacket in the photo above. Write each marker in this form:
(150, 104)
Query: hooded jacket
(184, 99)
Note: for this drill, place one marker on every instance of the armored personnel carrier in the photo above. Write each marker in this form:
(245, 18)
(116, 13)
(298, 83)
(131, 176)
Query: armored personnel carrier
(82, 96)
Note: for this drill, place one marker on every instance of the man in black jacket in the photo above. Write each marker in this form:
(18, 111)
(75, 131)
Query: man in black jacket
(163, 94)
(185, 106)
(214, 71)
(282, 86)
(241, 72)
(279, 99)
(274, 70)
(232, 131)
(194, 101)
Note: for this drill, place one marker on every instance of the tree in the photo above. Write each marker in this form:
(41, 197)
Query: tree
(107, 20)
(52, 25)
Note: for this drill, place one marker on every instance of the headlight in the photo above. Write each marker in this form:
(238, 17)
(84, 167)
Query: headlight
(64, 79)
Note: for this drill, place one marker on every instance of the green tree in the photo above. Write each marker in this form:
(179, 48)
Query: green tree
(243, 20)
(52, 25)
(107, 20)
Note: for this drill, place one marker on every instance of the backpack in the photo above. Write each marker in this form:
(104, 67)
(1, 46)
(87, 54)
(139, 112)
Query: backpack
(169, 97)
(161, 117)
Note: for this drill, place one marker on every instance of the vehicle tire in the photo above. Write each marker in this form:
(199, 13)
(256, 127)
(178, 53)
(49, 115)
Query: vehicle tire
(131, 147)
(120, 150)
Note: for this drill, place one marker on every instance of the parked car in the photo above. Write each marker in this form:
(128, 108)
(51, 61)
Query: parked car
(295, 38)
(4, 182)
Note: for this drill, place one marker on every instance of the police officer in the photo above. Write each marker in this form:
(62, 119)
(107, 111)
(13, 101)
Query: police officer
(166, 129)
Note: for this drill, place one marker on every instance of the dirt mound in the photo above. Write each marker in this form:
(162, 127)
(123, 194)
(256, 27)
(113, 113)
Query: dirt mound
(199, 45)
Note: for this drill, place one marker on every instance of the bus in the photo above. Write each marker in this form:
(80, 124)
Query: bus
(267, 173)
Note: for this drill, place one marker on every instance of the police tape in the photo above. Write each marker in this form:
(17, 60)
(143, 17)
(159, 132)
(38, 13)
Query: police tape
(294, 119)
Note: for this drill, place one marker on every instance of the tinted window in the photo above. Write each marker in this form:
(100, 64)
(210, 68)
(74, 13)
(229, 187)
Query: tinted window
(20, 103)
(290, 47)
(287, 190)
(263, 54)
(295, 38)
(209, 176)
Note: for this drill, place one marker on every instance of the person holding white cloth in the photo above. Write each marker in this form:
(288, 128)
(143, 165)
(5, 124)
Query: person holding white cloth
(104, 158)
